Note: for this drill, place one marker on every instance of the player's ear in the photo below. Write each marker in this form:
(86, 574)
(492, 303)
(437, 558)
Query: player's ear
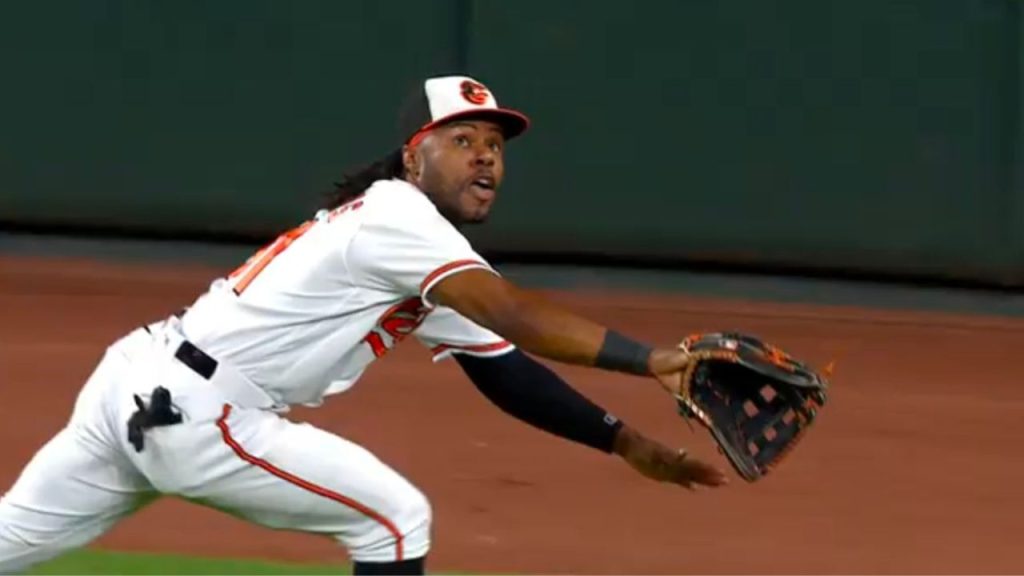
(411, 160)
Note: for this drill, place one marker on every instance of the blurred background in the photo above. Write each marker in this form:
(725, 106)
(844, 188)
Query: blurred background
(871, 138)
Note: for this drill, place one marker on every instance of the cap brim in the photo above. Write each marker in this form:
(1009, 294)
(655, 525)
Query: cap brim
(512, 122)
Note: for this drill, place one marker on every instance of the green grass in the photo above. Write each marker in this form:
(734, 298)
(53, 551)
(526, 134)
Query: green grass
(103, 562)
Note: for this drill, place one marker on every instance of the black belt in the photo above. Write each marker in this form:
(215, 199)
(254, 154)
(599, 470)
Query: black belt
(200, 362)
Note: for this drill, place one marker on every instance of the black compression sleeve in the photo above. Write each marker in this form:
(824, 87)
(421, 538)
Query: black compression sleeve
(528, 390)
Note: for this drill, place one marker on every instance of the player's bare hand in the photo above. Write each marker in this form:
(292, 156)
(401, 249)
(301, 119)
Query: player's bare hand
(659, 462)
(667, 365)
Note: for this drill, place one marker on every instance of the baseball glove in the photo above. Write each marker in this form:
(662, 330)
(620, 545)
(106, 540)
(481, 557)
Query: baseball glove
(756, 400)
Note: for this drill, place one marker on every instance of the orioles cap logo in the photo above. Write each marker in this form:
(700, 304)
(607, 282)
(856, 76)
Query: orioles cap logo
(474, 92)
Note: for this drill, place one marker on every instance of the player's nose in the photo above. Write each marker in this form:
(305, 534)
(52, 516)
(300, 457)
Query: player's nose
(483, 156)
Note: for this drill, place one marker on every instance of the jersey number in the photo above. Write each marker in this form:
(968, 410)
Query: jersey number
(248, 272)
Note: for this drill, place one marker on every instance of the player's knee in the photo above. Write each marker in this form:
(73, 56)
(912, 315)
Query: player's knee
(403, 534)
(418, 517)
(413, 520)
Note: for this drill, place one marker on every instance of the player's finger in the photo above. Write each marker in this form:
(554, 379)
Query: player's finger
(709, 475)
(681, 471)
(716, 478)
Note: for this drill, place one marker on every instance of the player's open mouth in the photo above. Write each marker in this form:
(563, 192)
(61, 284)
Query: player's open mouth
(483, 188)
(485, 182)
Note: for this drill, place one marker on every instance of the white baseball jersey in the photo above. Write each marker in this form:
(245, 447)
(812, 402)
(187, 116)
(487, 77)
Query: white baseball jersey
(305, 316)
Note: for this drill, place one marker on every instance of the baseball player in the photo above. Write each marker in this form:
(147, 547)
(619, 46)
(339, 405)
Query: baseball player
(192, 405)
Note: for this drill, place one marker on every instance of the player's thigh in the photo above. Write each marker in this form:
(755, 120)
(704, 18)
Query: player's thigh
(67, 495)
(300, 477)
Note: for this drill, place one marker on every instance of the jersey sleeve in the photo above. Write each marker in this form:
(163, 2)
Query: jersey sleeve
(446, 332)
(410, 250)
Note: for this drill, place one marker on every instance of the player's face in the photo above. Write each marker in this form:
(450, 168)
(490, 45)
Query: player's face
(460, 167)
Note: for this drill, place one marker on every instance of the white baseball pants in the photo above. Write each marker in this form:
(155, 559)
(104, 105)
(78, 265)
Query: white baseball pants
(230, 452)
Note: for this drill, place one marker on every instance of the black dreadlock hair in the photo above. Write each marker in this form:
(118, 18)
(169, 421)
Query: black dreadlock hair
(354, 184)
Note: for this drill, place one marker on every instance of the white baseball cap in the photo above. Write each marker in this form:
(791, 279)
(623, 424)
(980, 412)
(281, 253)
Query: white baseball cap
(443, 99)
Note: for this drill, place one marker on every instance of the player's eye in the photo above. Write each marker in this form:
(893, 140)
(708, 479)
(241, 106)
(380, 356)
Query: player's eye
(495, 147)
(461, 141)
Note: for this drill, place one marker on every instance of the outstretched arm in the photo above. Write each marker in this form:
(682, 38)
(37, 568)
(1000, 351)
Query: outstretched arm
(529, 391)
(540, 327)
